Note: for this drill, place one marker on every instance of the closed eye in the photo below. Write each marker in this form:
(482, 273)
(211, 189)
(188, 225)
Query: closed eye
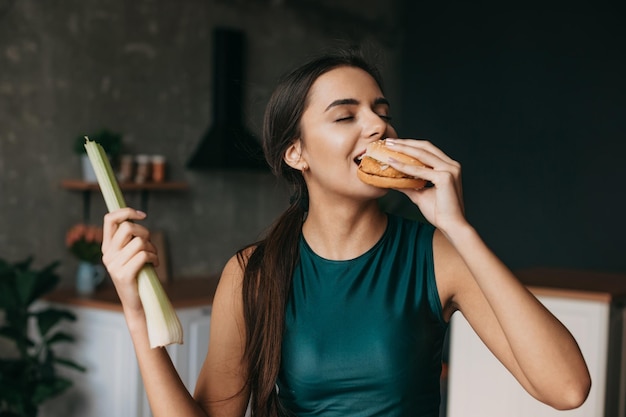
(382, 116)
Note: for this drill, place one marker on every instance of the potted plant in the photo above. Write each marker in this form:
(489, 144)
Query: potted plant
(110, 141)
(84, 242)
(28, 372)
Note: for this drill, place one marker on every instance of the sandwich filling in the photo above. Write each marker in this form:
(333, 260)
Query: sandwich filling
(372, 166)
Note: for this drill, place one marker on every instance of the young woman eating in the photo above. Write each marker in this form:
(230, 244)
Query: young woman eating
(341, 309)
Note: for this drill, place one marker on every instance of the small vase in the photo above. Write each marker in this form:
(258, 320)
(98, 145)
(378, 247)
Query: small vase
(88, 276)
(89, 175)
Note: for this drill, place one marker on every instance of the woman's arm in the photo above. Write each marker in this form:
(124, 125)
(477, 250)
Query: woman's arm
(222, 388)
(126, 248)
(529, 341)
(538, 350)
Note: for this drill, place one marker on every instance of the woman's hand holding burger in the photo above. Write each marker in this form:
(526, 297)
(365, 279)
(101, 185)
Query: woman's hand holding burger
(442, 202)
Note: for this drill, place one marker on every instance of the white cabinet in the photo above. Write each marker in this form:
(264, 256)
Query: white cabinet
(479, 386)
(112, 385)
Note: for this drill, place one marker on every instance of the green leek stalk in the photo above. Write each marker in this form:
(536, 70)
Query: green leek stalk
(164, 327)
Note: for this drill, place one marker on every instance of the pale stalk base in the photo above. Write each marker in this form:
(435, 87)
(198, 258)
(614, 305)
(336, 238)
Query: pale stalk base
(164, 327)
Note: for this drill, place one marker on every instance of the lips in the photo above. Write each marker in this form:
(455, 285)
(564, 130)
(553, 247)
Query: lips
(357, 159)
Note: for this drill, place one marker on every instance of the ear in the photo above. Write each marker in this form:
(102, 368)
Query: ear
(293, 156)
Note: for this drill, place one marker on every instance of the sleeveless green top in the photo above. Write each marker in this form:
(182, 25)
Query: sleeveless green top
(364, 336)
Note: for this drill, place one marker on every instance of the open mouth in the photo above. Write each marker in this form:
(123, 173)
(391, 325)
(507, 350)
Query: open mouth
(357, 159)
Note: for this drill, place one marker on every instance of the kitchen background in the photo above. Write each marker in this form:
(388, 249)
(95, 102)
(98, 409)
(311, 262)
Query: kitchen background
(531, 100)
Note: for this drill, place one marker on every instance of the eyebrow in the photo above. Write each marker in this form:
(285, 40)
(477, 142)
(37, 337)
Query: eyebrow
(351, 101)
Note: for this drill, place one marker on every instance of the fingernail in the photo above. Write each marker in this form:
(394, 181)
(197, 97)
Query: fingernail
(141, 213)
(389, 142)
(392, 160)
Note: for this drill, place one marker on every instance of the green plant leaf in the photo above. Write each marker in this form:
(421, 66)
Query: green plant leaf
(70, 364)
(46, 319)
(13, 370)
(10, 392)
(25, 283)
(20, 339)
(8, 296)
(25, 264)
(15, 387)
(46, 281)
(59, 337)
(6, 270)
(31, 284)
(30, 377)
(12, 398)
(50, 388)
(110, 141)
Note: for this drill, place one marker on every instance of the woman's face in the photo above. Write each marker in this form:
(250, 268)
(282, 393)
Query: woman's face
(345, 111)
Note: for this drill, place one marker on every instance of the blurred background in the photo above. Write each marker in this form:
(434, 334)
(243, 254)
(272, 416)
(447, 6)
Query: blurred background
(531, 100)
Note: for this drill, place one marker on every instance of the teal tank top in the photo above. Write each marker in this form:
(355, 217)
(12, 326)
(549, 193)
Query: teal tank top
(364, 337)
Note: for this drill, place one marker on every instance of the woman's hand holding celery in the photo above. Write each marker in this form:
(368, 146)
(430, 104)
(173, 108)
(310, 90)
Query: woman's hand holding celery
(129, 256)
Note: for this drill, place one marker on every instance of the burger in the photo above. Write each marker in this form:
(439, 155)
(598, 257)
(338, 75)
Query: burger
(375, 170)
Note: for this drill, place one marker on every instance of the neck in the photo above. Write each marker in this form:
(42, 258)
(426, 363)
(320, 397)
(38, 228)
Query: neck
(343, 231)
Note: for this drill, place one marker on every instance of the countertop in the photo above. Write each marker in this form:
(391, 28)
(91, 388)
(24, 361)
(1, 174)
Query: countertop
(183, 293)
(575, 283)
(558, 282)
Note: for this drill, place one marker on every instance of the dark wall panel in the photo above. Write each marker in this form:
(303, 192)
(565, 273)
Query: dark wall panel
(533, 104)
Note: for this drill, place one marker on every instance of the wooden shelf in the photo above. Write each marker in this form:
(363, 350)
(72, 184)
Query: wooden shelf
(79, 185)
(86, 188)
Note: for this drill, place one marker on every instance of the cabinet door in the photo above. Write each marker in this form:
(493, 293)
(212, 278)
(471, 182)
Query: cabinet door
(110, 386)
(479, 386)
(198, 327)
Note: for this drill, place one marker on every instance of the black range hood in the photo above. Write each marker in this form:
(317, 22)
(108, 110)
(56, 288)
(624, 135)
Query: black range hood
(228, 144)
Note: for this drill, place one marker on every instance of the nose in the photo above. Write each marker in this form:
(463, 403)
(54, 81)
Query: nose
(374, 126)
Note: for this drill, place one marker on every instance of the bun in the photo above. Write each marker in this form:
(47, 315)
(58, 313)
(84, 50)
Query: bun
(387, 182)
(374, 170)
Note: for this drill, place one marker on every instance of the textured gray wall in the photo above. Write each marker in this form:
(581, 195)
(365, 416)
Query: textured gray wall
(144, 68)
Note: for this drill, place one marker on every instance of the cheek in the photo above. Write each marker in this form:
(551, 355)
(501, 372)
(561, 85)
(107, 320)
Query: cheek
(323, 157)
(325, 141)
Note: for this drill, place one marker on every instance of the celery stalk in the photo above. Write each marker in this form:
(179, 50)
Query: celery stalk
(164, 327)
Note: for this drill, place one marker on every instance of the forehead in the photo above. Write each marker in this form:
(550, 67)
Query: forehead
(343, 82)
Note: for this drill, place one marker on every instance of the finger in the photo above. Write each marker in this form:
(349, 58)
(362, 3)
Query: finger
(123, 264)
(417, 171)
(438, 178)
(128, 272)
(119, 248)
(125, 232)
(142, 247)
(113, 219)
(139, 260)
(423, 150)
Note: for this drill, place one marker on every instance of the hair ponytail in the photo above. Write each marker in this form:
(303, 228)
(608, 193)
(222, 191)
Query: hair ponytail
(266, 287)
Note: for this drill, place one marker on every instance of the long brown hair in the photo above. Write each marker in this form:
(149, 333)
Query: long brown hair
(269, 268)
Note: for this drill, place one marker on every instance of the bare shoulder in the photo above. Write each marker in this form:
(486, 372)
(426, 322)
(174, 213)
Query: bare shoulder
(231, 280)
(451, 273)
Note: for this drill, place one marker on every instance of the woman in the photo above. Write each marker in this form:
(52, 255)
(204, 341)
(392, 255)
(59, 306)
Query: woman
(342, 309)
